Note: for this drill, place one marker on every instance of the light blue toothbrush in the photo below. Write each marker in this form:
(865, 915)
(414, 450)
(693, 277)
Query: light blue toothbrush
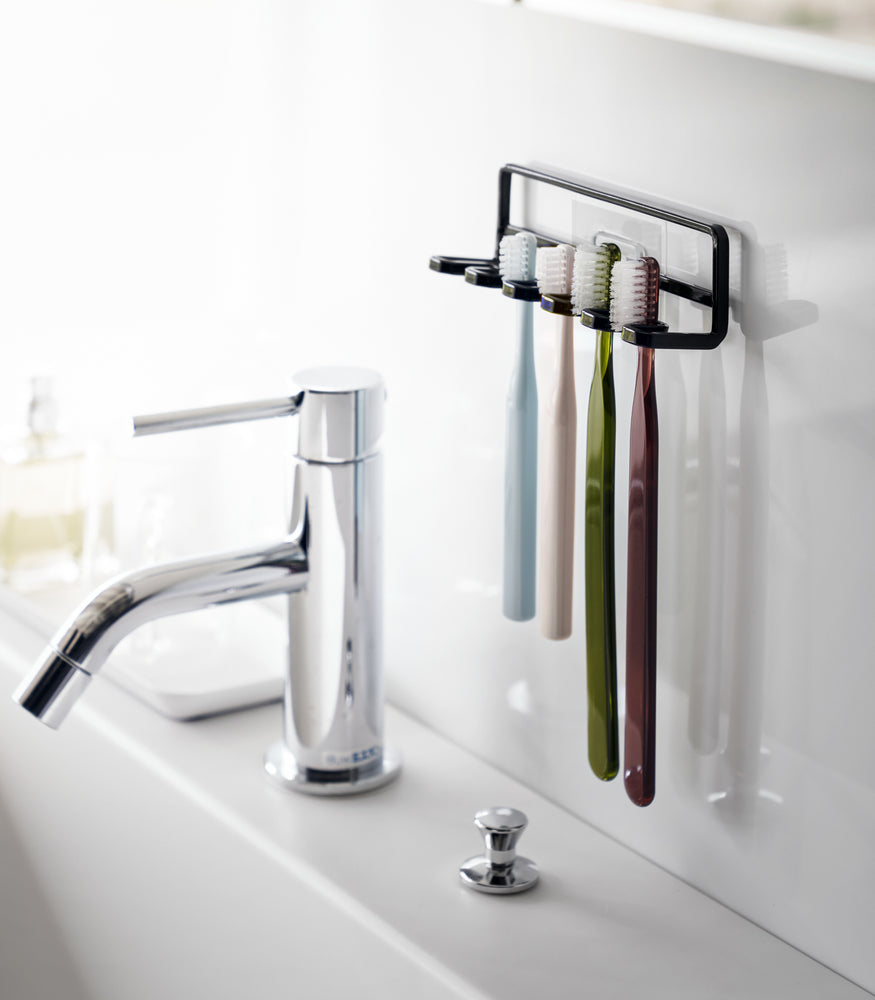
(517, 264)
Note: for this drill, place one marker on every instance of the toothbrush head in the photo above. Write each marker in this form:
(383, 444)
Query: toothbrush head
(634, 292)
(555, 269)
(591, 285)
(516, 257)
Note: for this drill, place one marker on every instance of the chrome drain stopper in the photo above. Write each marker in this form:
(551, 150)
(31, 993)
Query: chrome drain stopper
(499, 869)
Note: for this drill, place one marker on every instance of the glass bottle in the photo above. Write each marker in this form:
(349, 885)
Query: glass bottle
(42, 500)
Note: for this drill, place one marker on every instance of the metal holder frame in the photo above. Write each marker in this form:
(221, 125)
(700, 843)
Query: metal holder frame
(485, 273)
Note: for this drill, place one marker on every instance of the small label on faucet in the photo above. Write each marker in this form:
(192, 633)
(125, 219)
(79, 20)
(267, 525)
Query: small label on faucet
(352, 759)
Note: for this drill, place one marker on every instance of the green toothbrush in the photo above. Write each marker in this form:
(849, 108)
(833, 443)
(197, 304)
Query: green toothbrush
(592, 279)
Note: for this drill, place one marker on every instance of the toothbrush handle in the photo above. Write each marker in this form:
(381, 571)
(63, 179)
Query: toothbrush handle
(556, 557)
(601, 628)
(640, 742)
(521, 475)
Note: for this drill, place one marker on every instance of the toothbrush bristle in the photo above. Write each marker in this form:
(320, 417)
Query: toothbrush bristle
(516, 257)
(591, 285)
(652, 289)
(555, 269)
(634, 292)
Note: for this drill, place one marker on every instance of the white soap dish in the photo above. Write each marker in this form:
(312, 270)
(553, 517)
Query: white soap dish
(214, 661)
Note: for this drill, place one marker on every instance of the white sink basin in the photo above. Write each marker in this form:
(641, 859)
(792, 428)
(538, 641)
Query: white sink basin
(142, 857)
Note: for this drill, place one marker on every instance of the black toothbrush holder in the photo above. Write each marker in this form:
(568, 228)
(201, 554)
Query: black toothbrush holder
(484, 272)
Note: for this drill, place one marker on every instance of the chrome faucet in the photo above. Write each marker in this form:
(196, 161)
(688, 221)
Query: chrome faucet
(330, 565)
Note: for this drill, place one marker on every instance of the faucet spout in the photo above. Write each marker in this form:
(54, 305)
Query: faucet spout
(52, 688)
(82, 646)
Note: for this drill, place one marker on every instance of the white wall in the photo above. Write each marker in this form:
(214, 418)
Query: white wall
(201, 198)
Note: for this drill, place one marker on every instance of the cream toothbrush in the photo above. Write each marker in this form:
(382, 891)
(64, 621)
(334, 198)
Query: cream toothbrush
(558, 455)
(516, 261)
(635, 300)
(591, 291)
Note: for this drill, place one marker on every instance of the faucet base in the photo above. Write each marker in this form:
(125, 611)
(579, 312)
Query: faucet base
(282, 767)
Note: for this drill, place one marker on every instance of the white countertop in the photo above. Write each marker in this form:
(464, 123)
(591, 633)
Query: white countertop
(602, 922)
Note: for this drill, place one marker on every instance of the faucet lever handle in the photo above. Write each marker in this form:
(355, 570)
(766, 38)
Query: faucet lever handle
(213, 416)
(341, 414)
